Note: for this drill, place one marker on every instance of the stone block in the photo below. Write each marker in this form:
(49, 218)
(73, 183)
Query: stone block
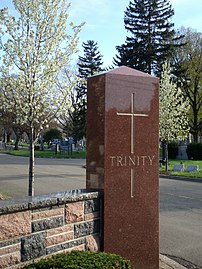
(48, 214)
(9, 260)
(46, 224)
(91, 206)
(10, 249)
(43, 201)
(15, 224)
(74, 212)
(93, 243)
(14, 205)
(92, 216)
(65, 246)
(9, 242)
(33, 246)
(60, 238)
(79, 248)
(59, 230)
(86, 228)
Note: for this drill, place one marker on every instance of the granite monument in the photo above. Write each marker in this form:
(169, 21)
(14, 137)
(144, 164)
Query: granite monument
(123, 161)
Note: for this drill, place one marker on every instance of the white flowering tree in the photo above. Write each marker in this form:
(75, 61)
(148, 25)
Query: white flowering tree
(174, 108)
(36, 45)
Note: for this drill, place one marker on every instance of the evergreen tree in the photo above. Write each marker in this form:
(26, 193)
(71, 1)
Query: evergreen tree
(151, 39)
(89, 64)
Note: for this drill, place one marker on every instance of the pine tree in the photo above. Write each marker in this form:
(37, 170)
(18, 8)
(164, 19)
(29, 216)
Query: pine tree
(151, 37)
(89, 64)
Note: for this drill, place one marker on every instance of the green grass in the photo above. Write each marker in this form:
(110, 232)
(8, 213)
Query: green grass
(186, 163)
(49, 154)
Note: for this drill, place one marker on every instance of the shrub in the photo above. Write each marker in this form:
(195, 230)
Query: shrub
(173, 150)
(52, 134)
(194, 151)
(82, 260)
(36, 147)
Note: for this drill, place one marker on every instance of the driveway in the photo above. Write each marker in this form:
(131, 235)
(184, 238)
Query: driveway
(181, 219)
(51, 175)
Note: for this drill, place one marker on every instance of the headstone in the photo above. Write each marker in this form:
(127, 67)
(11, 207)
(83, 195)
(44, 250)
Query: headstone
(178, 167)
(192, 168)
(122, 159)
(182, 153)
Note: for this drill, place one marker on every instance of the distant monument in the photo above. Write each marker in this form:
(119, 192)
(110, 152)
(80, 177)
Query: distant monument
(123, 161)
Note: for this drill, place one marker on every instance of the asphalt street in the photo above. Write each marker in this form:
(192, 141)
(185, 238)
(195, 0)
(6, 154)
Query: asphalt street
(180, 201)
(181, 219)
(51, 175)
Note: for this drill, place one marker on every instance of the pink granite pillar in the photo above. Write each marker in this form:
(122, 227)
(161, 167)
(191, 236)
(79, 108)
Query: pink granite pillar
(123, 160)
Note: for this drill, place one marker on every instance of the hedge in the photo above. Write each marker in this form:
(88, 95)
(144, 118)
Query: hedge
(194, 151)
(173, 150)
(82, 260)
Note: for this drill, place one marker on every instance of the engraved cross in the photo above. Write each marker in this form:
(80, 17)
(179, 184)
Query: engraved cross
(132, 115)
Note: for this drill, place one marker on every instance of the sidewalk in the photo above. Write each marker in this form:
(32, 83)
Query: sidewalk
(167, 263)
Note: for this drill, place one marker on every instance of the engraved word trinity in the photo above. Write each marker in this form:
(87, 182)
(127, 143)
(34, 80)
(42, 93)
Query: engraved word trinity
(131, 160)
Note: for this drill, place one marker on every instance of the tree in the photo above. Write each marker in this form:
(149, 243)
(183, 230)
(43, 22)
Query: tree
(5, 124)
(151, 39)
(68, 117)
(89, 64)
(36, 45)
(8, 122)
(52, 134)
(173, 111)
(187, 62)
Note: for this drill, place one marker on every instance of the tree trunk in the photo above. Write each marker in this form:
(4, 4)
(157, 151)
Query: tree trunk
(166, 155)
(41, 144)
(195, 127)
(31, 163)
(5, 136)
(195, 136)
(17, 141)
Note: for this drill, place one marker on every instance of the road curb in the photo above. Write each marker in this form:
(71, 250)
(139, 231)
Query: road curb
(167, 263)
(181, 178)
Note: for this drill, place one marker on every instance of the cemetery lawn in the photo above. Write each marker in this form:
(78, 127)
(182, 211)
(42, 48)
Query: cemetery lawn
(171, 163)
(49, 154)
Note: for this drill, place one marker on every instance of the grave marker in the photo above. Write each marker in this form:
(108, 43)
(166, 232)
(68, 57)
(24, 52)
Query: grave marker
(122, 159)
(192, 168)
(178, 167)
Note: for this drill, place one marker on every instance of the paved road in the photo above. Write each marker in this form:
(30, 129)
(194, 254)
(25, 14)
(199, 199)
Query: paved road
(180, 203)
(51, 175)
(181, 219)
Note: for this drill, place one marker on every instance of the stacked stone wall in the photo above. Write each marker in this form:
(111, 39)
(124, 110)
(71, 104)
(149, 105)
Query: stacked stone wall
(42, 226)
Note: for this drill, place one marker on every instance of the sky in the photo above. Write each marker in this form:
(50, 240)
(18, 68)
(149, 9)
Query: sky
(104, 21)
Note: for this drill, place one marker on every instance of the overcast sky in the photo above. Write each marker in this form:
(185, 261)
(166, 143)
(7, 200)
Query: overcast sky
(104, 21)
